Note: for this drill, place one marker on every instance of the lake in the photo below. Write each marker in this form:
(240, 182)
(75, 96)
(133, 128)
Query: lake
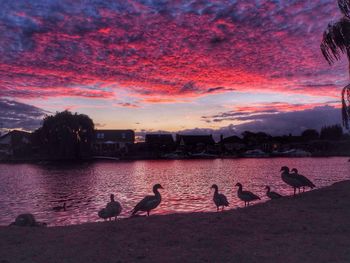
(86, 187)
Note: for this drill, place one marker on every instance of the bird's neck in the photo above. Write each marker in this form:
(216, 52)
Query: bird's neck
(240, 188)
(216, 191)
(156, 192)
(268, 190)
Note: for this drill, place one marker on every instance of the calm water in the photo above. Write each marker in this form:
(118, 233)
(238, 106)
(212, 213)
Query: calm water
(86, 187)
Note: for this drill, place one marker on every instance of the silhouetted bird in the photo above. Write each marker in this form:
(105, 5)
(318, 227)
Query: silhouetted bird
(246, 196)
(219, 199)
(113, 209)
(60, 208)
(272, 195)
(289, 179)
(149, 202)
(303, 180)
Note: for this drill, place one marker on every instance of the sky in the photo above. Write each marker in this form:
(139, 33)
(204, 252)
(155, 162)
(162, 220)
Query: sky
(200, 66)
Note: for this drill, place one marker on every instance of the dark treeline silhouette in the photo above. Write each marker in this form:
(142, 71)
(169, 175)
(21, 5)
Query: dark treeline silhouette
(72, 136)
(65, 136)
(334, 132)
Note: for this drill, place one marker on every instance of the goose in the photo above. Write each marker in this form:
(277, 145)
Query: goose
(289, 179)
(59, 208)
(150, 202)
(112, 209)
(272, 195)
(219, 199)
(246, 196)
(304, 181)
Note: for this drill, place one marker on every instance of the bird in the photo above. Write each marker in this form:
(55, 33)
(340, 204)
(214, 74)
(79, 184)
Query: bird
(59, 208)
(304, 181)
(150, 202)
(219, 199)
(246, 196)
(289, 179)
(272, 195)
(112, 209)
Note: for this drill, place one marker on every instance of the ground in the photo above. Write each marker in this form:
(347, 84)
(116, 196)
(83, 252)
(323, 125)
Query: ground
(312, 227)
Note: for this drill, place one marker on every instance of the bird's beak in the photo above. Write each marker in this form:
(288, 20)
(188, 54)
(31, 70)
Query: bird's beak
(161, 187)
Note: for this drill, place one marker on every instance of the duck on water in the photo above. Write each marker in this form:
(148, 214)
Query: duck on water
(150, 202)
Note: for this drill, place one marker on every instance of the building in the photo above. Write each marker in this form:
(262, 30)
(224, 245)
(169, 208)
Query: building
(195, 143)
(160, 142)
(231, 144)
(113, 143)
(15, 144)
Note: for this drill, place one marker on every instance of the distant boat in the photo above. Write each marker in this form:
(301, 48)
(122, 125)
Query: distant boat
(293, 153)
(106, 158)
(257, 153)
(174, 155)
(203, 155)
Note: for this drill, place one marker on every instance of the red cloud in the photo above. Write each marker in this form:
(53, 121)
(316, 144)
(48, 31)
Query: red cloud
(158, 52)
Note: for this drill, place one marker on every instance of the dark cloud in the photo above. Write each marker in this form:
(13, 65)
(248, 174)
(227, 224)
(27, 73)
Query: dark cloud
(281, 123)
(17, 115)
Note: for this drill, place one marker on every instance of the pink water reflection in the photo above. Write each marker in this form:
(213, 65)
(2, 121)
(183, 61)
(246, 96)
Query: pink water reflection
(86, 187)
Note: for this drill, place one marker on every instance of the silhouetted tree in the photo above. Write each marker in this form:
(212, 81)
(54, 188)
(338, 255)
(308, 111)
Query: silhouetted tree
(336, 40)
(255, 138)
(310, 134)
(334, 132)
(66, 135)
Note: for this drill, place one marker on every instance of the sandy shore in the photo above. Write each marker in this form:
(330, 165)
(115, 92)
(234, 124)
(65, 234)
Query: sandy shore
(313, 227)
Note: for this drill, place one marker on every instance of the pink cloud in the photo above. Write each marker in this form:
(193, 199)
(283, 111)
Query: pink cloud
(165, 52)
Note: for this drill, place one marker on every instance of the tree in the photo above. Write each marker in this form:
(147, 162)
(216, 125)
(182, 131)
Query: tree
(66, 135)
(310, 134)
(336, 41)
(334, 132)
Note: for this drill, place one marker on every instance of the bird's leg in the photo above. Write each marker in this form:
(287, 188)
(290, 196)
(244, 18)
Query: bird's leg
(147, 213)
(303, 189)
(294, 190)
(217, 209)
(299, 190)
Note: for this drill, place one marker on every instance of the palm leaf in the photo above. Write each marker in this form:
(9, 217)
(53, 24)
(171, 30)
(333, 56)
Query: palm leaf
(336, 40)
(344, 6)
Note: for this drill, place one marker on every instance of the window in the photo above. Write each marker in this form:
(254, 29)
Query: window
(100, 135)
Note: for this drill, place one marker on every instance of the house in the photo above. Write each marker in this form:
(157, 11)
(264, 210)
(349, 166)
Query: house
(231, 144)
(15, 144)
(160, 142)
(195, 143)
(113, 143)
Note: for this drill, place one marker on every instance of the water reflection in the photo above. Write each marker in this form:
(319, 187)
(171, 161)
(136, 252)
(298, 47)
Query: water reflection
(85, 188)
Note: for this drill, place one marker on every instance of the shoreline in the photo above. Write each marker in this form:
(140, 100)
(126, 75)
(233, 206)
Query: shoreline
(312, 227)
(67, 161)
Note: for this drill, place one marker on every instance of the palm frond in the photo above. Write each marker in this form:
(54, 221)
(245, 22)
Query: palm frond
(344, 6)
(336, 40)
(346, 106)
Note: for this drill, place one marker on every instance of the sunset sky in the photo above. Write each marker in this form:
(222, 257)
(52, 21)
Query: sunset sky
(196, 66)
